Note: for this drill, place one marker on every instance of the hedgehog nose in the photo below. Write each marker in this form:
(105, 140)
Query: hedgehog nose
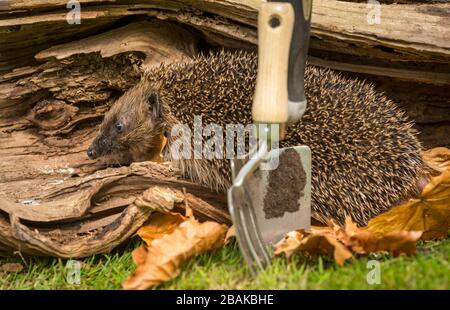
(91, 153)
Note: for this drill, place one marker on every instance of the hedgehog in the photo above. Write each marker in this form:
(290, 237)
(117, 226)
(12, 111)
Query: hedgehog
(366, 156)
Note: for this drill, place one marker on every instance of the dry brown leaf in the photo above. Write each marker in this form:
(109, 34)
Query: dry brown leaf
(139, 255)
(159, 145)
(341, 253)
(342, 242)
(313, 244)
(363, 241)
(231, 234)
(290, 243)
(12, 267)
(162, 259)
(160, 224)
(429, 214)
(437, 158)
(333, 230)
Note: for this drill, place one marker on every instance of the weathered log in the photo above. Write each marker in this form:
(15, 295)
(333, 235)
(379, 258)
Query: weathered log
(79, 217)
(341, 31)
(89, 62)
(52, 200)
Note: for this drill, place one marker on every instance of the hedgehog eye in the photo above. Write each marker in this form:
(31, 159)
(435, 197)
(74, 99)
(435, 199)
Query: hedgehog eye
(119, 126)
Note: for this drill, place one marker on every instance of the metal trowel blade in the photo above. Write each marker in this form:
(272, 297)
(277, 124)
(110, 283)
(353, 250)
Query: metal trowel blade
(270, 196)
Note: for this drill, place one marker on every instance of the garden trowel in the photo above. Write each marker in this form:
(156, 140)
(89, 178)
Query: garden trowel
(271, 190)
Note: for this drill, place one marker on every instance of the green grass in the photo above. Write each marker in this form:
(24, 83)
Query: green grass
(225, 269)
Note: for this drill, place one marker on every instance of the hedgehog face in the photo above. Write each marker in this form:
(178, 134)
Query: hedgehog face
(128, 130)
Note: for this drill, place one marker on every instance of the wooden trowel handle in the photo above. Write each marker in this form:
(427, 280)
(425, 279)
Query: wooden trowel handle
(275, 25)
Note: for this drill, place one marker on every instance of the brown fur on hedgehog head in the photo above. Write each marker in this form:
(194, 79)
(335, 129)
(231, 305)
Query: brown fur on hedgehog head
(135, 115)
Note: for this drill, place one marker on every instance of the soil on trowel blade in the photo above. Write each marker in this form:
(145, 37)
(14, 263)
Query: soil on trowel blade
(286, 184)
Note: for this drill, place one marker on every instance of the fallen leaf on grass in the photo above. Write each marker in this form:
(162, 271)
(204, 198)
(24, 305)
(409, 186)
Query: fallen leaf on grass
(342, 243)
(12, 267)
(363, 242)
(430, 213)
(163, 257)
(312, 244)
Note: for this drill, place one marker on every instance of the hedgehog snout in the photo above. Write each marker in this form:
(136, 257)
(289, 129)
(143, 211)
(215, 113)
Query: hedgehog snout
(95, 149)
(91, 153)
(102, 145)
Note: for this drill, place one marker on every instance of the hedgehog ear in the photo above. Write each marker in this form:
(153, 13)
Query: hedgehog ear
(154, 104)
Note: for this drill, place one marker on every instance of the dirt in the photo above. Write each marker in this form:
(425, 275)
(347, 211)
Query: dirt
(286, 185)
